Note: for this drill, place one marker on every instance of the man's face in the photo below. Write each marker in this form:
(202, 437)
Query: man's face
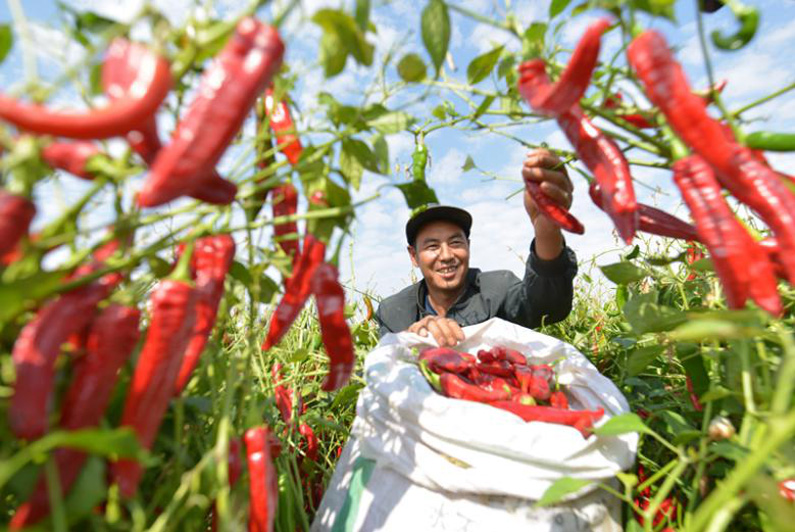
(441, 252)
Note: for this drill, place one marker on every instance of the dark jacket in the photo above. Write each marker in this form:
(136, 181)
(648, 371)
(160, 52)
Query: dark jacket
(544, 295)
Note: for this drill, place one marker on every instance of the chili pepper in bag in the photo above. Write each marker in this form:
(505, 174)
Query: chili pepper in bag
(770, 141)
(558, 399)
(330, 298)
(484, 355)
(212, 258)
(38, 346)
(263, 481)
(419, 160)
(72, 157)
(454, 386)
(515, 357)
(543, 371)
(284, 199)
(283, 126)
(442, 359)
(111, 340)
(652, 220)
(582, 420)
(297, 290)
(152, 84)
(749, 180)
(748, 17)
(523, 375)
(555, 99)
(539, 388)
(499, 368)
(728, 242)
(16, 213)
(173, 315)
(228, 90)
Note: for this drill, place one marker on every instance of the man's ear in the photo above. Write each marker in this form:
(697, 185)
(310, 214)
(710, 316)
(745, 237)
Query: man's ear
(413, 256)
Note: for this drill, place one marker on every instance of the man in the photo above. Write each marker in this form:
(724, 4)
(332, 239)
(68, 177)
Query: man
(451, 295)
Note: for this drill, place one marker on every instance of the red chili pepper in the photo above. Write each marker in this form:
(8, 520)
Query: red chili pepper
(228, 91)
(556, 212)
(653, 220)
(39, 344)
(118, 78)
(515, 357)
(484, 355)
(582, 420)
(284, 396)
(539, 388)
(330, 299)
(555, 99)
(235, 464)
(152, 84)
(667, 509)
(170, 328)
(263, 482)
(16, 213)
(743, 267)
(71, 157)
(441, 359)
(636, 119)
(523, 375)
(457, 388)
(212, 258)
(558, 399)
(693, 397)
(111, 340)
(544, 371)
(297, 291)
(747, 179)
(499, 368)
(772, 249)
(311, 450)
(786, 488)
(283, 126)
(284, 199)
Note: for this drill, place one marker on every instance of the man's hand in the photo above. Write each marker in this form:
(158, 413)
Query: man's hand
(544, 167)
(446, 331)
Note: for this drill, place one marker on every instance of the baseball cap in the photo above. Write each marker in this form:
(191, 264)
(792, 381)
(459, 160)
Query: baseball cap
(433, 213)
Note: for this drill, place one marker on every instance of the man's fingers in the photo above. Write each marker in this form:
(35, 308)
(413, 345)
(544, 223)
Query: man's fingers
(545, 159)
(556, 194)
(544, 175)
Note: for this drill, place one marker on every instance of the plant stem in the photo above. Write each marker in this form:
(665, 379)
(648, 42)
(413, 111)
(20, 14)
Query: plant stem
(764, 99)
(28, 50)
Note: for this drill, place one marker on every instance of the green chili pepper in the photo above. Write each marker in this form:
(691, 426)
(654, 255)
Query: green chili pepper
(419, 161)
(749, 20)
(771, 141)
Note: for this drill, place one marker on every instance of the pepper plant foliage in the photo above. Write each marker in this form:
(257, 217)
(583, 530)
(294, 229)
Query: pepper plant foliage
(711, 388)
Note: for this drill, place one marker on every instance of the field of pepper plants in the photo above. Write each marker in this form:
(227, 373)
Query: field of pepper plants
(178, 350)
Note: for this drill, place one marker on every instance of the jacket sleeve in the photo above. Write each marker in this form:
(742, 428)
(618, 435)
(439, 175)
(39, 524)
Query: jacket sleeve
(382, 326)
(545, 294)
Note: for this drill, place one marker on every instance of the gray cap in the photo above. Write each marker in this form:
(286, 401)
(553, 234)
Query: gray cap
(433, 213)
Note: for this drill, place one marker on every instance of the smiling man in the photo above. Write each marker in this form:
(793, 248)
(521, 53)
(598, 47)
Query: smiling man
(451, 295)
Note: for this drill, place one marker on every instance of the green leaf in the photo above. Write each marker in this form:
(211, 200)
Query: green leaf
(417, 194)
(660, 8)
(158, 266)
(362, 14)
(729, 450)
(645, 315)
(560, 489)
(440, 112)
(352, 170)
(556, 7)
(332, 54)
(88, 491)
(411, 68)
(469, 164)
(16, 295)
(483, 107)
(391, 122)
(341, 37)
(267, 288)
(480, 67)
(533, 40)
(679, 427)
(622, 424)
(6, 41)
(436, 31)
(623, 272)
(95, 79)
(640, 358)
(241, 274)
(710, 329)
(357, 152)
(381, 151)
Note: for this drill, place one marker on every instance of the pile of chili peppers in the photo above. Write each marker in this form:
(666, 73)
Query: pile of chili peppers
(502, 377)
(718, 161)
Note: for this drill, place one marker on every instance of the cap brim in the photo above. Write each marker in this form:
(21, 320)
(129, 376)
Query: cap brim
(455, 215)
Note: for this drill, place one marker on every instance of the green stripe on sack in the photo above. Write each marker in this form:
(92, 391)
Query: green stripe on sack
(362, 471)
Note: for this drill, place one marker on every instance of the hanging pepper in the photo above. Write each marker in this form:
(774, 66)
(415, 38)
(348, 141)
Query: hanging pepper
(297, 291)
(263, 481)
(454, 386)
(419, 160)
(748, 17)
(228, 91)
(16, 213)
(119, 72)
(743, 267)
(770, 141)
(693, 396)
(284, 199)
(773, 252)
(38, 346)
(556, 212)
(653, 220)
(284, 395)
(111, 340)
(311, 450)
(581, 420)
(72, 157)
(173, 315)
(212, 258)
(283, 126)
(152, 84)
(330, 299)
(558, 98)
(749, 180)
(636, 119)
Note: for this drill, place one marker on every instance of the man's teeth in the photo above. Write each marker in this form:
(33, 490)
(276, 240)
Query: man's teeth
(447, 270)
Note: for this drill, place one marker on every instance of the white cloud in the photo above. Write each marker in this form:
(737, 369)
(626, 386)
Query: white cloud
(446, 169)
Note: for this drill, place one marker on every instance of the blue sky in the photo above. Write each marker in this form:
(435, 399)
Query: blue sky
(377, 260)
